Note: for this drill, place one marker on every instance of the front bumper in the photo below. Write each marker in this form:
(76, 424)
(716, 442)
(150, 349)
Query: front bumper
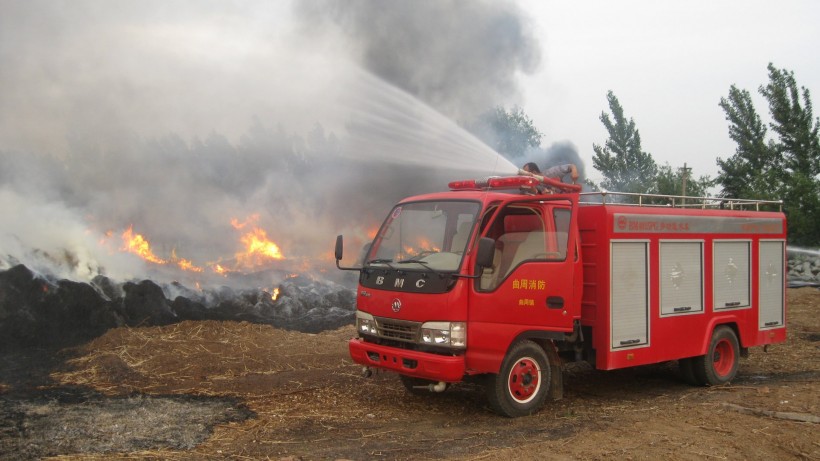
(412, 363)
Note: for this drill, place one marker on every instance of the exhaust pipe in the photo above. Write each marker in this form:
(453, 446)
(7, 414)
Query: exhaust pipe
(440, 386)
(366, 372)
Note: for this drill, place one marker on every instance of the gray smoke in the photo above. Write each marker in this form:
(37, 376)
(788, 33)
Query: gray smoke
(462, 57)
(177, 117)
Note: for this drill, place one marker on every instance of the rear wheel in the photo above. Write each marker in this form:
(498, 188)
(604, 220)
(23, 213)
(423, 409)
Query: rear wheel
(522, 384)
(719, 365)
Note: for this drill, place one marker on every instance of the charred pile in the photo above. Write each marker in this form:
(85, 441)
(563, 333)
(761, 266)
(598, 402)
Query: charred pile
(803, 268)
(36, 311)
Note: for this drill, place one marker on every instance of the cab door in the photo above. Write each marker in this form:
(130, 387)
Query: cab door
(531, 285)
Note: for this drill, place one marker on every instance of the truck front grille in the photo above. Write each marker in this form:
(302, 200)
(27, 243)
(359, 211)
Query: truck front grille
(401, 330)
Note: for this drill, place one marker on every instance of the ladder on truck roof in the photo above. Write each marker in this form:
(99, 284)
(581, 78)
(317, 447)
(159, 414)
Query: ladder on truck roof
(676, 201)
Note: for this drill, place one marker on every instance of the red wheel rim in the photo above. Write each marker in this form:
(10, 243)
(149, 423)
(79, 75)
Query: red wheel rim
(723, 358)
(524, 380)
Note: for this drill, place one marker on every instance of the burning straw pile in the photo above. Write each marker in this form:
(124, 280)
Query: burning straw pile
(35, 311)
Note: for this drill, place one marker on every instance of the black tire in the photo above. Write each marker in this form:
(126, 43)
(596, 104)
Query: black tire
(687, 372)
(521, 386)
(411, 384)
(719, 365)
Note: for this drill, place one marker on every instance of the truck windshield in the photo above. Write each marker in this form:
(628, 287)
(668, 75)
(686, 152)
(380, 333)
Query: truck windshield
(424, 236)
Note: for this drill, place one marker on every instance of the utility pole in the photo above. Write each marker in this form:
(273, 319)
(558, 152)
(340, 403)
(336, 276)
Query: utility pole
(684, 176)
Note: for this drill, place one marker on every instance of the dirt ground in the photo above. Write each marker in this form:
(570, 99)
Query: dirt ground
(226, 390)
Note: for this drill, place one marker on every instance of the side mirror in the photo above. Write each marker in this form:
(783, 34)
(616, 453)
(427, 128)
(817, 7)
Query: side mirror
(339, 247)
(339, 253)
(486, 252)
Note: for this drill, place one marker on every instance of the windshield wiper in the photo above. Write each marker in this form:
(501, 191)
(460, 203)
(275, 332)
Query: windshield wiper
(423, 263)
(385, 261)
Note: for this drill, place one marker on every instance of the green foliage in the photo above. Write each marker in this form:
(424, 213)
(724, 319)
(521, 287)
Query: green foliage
(786, 168)
(510, 133)
(750, 172)
(625, 166)
(670, 182)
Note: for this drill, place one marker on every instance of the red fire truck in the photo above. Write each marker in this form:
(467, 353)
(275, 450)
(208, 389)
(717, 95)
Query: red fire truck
(486, 282)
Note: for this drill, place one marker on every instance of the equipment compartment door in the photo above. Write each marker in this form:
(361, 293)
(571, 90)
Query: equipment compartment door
(770, 282)
(629, 294)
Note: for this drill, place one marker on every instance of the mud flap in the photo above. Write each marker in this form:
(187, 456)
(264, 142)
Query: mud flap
(556, 382)
(556, 391)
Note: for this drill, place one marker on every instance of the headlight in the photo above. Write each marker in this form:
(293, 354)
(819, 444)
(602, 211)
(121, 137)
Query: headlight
(365, 323)
(453, 334)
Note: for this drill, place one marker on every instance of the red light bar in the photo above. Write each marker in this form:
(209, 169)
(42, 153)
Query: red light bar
(512, 182)
(468, 184)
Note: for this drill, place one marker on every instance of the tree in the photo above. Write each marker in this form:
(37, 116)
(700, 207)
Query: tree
(625, 166)
(750, 173)
(786, 168)
(798, 146)
(670, 182)
(508, 133)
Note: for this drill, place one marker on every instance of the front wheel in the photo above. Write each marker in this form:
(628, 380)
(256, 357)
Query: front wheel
(719, 365)
(521, 386)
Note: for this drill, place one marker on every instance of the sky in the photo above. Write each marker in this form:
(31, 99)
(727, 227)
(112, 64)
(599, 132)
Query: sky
(669, 63)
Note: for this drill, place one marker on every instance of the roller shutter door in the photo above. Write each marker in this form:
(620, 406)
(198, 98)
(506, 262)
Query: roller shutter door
(770, 281)
(629, 294)
(731, 274)
(681, 277)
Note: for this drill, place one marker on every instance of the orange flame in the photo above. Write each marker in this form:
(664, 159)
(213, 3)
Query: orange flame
(258, 249)
(275, 294)
(184, 264)
(423, 246)
(239, 225)
(137, 244)
(216, 267)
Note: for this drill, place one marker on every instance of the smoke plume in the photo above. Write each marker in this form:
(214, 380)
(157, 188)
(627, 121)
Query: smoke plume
(183, 121)
(461, 57)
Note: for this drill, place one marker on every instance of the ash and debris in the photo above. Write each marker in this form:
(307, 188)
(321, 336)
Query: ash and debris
(75, 420)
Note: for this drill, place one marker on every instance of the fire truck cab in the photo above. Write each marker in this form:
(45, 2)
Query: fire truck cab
(486, 282)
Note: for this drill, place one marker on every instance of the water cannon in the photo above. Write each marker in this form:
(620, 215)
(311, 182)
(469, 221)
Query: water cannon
(556, 183)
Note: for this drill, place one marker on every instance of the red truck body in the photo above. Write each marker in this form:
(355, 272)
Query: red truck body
(564, 278)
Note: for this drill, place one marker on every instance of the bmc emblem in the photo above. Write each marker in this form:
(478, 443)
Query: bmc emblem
(396, 305)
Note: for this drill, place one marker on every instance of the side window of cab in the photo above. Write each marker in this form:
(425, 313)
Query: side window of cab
(520, 234)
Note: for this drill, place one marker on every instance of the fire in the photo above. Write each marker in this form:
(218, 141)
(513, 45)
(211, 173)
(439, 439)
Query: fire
(423, 246)
(216, 267)
(275, 294)
(240, 225)
(184, 264)
(258, 249)
(137, 244)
